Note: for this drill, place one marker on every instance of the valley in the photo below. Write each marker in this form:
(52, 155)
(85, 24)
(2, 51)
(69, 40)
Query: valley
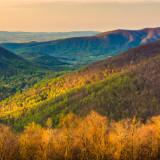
(79, 80)
(80, 105)
(80, 51)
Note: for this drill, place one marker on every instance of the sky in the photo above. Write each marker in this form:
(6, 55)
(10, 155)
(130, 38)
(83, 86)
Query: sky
(78, 15)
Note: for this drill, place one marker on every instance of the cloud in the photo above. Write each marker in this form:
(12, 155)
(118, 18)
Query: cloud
(87, 0)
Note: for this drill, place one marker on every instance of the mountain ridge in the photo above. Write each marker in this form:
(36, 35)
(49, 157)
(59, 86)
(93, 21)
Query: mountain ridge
(84, 50)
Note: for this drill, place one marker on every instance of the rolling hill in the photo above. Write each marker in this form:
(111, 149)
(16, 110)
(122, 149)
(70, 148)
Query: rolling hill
(84, 50)
(49, 62)
(17, 73)
(10, 63)
(123, 86)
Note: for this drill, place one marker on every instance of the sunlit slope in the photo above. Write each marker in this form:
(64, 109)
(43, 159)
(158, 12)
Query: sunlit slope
(119, 87)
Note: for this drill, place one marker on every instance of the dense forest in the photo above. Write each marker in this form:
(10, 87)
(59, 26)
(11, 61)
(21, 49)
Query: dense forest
(124, 86)
(93, 137)
(18, 74)
(50, 63)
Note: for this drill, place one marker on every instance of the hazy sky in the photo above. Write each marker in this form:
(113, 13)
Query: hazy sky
(76, 15)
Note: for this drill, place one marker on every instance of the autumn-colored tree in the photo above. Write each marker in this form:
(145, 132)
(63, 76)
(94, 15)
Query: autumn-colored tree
(31, 143)
(119, 137)
(93, 137)
(156, 122)
(69, 125)
(8, 144)
(146, 142)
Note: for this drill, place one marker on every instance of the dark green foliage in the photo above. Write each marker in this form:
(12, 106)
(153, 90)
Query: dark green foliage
(49, 62)
(17, 74)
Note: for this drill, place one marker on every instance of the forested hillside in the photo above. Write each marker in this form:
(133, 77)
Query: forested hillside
(50, 62)
(124, 86)
(17, 74)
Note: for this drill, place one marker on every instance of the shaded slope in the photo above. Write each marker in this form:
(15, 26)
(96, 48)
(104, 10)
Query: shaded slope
(10, 63)
(119, 87)
(16, 73)
(49, 62)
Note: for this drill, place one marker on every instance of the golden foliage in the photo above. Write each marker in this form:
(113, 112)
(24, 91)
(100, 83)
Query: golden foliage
(92, 137)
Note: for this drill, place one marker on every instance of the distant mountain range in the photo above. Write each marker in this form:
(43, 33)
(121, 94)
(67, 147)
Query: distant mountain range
(122, 86)
(19, 37)
(84, 50)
